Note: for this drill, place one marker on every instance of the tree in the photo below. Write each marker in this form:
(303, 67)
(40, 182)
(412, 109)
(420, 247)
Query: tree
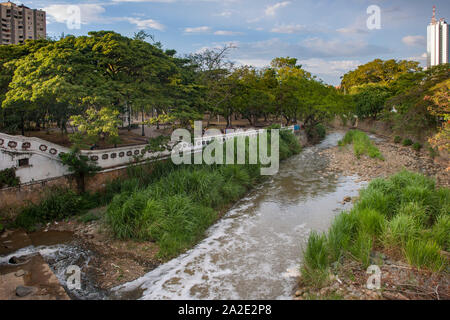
(378, 71)
(441, 109)
(79, 165)
(95, 125)
(370, 100)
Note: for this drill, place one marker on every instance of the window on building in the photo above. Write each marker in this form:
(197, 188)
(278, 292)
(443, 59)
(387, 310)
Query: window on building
(24, 162)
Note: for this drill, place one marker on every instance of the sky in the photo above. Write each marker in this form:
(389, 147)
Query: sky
(328, 37)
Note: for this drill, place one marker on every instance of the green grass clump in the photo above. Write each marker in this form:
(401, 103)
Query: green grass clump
(424, 254)
(397, 139)
(407, 142)
(441, 231)
(361, 144)
(417, 146)
(88, 217)
(315, 267)
(405, 213)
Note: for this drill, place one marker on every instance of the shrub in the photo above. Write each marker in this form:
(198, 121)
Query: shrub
(433, 152)
(424, 254)
(417, 146)
(397, 139)
(57, 204)
(8, 178)
(407, 142)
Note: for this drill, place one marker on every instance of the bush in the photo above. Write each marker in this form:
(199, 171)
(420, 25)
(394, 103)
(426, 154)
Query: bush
(8, 178)
(407, 142)
(417, 146)
(397, 139)
(57, 204)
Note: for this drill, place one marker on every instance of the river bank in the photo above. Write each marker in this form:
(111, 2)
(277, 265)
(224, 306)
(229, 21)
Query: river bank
(397, 157)
(400, 280)
(114, 261)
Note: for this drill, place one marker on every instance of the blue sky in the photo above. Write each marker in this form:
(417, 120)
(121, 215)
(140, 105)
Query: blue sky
(328, 37)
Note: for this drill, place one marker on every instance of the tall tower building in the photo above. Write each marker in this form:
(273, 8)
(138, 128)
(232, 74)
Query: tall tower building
(20, 23)
(437, 41)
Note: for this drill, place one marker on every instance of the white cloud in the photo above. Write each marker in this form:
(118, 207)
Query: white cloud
(119, 1)
(352, 30)
(422, 58)
(325, 67)
(62, 13)
(414, 41)
(258, 63)
(338, 48)
(271, 10)
(227, 33)
(225, 14)
(146, 23)
(291, 28)
(202, 29)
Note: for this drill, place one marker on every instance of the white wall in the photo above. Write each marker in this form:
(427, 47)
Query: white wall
(44, 161)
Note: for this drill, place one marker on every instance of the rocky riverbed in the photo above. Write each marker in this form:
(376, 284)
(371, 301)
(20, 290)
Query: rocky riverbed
(396, 158)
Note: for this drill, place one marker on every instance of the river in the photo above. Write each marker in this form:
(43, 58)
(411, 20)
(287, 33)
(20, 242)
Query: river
(255, 250)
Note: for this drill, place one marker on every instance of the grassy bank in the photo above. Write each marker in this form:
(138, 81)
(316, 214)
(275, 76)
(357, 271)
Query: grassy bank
(404, 216)
(361, 144)
(176, 210)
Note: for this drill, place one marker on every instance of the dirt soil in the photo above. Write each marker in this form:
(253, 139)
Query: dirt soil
(113, 261)
(397, 157)
(399, 281)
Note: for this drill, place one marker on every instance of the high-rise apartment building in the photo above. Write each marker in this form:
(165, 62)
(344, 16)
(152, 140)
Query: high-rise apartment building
(20, 23)
(437, 41)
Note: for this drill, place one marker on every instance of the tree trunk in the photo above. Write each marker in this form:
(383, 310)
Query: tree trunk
(143, 129)
(129, 116)
(22, 121)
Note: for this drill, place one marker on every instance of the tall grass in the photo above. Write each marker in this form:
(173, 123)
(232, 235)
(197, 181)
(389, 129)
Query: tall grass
(361, 144)
(175, 209)
(404, 213)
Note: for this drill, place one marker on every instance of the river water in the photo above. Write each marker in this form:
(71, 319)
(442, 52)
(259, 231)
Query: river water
(255, 250)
